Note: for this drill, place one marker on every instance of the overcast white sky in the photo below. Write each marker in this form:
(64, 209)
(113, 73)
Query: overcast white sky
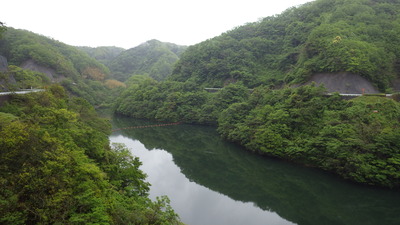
(128, 23)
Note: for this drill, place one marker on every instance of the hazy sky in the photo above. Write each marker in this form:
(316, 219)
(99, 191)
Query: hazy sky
(128, 23)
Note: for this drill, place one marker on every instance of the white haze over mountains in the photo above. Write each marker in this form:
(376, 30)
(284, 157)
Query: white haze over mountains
(127, 23)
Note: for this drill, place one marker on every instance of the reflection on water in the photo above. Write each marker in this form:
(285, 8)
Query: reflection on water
(210, 181)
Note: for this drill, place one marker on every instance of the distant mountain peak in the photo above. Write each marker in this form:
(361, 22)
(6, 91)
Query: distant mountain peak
(152, 57)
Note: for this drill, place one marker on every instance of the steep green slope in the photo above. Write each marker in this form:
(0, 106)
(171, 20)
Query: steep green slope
(153, 58)
(56, 163)
(104, 54)
(57, 167)
(19, 46)
(356, 139)
(357, 36)
(80, 74)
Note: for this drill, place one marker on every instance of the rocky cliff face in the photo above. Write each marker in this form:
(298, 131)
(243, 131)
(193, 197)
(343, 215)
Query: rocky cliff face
(3, 64)
(6, 80)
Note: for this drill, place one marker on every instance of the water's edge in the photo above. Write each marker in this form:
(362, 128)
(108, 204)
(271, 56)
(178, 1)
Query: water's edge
(201, 170)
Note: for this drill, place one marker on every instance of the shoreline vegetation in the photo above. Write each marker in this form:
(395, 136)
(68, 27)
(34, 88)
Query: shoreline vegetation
(56, 162)
(357, 139)
(57, 166)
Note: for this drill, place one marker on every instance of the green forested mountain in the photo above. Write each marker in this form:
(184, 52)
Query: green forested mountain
(74, 69)
(56, 162)
(18, 46)
(104, 54)
(56, 165)
(357, 139)
(152, 58)
(357, 36)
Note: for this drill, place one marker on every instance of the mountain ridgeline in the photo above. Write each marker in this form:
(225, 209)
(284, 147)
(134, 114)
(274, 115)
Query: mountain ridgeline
(55, 146)
(36, 61)
(323, 36)
(19, 46)
(56, 162)
(103, 54)
(153, 58)
(252, 64)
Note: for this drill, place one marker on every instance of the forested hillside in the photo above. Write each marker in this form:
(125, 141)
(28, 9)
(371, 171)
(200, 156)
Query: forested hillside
(56, 162)
(53, 61)
(357, 139)
(356, 36)
(153, 58)
(57, 167)
(18, 46)
(104, 54)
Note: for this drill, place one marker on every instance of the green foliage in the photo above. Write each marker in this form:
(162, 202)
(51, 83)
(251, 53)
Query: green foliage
(347, 53)
(80, 74)
(27, 78)
(356, 139)
(176, 101)
(103, 54)
(123, 170)
(56, 167)
(321, 36)
(154, 58)
(18, 46)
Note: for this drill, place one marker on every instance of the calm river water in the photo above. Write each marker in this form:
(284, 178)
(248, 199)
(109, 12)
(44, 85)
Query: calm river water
(213, 182)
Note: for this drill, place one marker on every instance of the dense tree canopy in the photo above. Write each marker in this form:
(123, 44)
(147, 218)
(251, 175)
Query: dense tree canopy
(176, 101)
(19, 46)
(56, 167)
(80, 74)
(357, 36)
(357, 139)
(103, 54)
(24, 78)
(153, 58)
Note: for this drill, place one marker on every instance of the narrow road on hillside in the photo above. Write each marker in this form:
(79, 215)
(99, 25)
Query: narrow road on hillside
(25, 91)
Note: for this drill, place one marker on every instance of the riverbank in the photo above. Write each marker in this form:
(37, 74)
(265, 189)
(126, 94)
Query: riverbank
(57, 167)
(212, 181)
(357, 139)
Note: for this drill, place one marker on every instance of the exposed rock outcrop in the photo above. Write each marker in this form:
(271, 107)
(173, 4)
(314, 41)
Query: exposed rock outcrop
(3, 64)
(345, 83)
(50, 73)
(6, 80)
(396, 85)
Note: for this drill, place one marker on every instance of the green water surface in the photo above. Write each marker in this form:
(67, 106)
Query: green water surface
(212, 181)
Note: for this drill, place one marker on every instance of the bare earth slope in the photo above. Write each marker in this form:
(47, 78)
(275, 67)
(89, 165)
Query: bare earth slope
(3, 64)
(50, 73)
(345, 83)
(396, 85)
